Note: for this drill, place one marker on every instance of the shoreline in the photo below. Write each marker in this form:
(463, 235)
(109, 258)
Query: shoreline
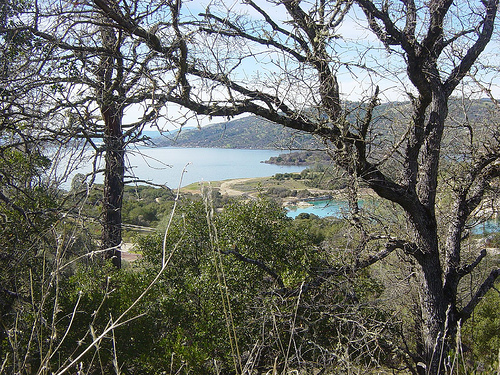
(251, 186)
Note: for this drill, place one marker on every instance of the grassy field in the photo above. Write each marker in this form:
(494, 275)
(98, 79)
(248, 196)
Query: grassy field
(195, 187)
(246, 185)
(262, 183)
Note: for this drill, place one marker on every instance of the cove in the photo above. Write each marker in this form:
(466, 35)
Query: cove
(322, 208)
(338, 209)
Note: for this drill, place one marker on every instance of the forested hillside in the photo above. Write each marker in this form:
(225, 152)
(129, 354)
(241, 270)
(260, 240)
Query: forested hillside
(253, 132)
(249, 132)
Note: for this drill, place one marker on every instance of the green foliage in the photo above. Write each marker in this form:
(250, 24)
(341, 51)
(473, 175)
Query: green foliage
(319, 175)
(35, 241)
(194, 314)
(481, 332)
(234, 283)
(216, 278)
(319, 229)
(145, 206)
(101, 295)
(27, 211)
(287, 176)
(301, 158)
(262, 231)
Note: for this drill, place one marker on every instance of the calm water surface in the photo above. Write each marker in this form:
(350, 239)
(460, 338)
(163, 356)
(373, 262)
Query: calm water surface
(338, 209)
(164, 165)
(320, 208)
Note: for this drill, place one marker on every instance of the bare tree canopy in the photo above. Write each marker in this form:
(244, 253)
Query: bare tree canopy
(77, 77)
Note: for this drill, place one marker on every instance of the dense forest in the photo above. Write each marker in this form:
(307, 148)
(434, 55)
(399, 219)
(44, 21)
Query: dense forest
(399, 99)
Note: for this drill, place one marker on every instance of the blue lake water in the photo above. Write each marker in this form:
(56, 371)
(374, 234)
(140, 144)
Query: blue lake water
(165, 165)
(320, 208)
(488, 227)
(338, 209)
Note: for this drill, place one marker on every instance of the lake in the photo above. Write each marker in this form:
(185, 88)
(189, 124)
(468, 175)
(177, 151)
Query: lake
(338, 209)
(320, 208)
(164, 165)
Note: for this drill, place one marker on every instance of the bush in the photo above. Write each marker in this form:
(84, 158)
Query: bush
(244, 285)
(481, 332)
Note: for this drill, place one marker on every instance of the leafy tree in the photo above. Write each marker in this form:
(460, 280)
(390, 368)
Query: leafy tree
(32, 245)
(239, 290)
(145, 205)
(432, 55)
(481, 332)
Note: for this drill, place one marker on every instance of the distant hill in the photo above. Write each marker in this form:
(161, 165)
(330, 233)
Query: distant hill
(388, 125)
(250, 132)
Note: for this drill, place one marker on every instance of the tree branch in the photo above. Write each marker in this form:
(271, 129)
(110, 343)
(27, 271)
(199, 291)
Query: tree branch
(255, 262)
(390, 246)
(467, 269)
(391, 35)
(265, 42)
(303, 44)
(126, 23)
(480, 293)
(477, 48)
(438, 10)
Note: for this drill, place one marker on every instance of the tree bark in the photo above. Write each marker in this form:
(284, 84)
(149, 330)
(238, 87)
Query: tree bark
(432, 303)
(113, 185)
(111, 75)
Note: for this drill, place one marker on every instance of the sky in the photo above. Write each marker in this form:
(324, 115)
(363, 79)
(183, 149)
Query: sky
(358, 44)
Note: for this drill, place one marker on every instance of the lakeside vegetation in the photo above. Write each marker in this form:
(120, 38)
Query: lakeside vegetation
(286, 281)
(256, 264)
(266, 258)
(268, 262)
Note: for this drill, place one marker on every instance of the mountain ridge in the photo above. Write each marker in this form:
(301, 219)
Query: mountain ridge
(249, 132)
(253, 132)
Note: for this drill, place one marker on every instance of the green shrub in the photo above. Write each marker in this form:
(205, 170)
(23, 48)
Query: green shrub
(481, 331)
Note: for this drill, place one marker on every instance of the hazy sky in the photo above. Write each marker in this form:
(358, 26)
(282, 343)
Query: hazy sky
(356, 45)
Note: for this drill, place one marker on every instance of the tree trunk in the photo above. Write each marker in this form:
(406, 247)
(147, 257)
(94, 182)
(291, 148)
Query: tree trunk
(433, 312)
(430, 279)
(111, 94)
(113, 185)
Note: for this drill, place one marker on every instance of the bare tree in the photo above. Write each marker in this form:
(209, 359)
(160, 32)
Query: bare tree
(94, 82)
(292, 50)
